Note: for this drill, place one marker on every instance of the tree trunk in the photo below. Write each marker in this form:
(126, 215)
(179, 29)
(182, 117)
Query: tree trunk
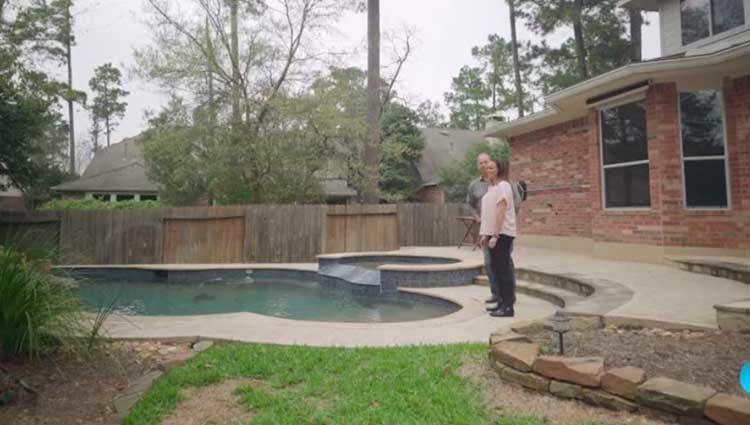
(210, 75)
(583, 71)
(516, 63)
(236, 112)
(372, 147)
(68, 54)
(636, 27)
(106, 112)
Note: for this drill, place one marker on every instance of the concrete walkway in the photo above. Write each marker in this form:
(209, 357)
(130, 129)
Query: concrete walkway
(661, 292)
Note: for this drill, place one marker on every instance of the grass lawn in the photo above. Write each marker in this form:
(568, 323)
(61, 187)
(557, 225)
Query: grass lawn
(302, 385)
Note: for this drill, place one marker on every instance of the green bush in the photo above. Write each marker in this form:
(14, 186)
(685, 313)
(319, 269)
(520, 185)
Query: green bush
(37, 311)
(94, 204)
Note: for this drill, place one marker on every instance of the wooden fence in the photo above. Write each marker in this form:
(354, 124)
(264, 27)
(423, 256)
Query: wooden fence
(237, 234)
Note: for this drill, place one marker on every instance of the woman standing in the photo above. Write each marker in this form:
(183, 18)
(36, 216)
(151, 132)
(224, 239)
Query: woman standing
(498, 230)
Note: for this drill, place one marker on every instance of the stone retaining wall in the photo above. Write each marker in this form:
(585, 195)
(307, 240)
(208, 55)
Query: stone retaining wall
(517, 360)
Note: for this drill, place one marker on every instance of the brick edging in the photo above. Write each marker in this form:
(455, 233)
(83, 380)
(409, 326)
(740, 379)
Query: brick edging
(517, 360)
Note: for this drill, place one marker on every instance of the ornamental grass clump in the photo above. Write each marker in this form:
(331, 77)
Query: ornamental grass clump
(38, 312)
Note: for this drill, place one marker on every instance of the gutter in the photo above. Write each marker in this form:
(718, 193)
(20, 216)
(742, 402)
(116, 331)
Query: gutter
(655, 66)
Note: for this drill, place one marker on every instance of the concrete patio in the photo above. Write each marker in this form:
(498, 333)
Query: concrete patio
(656, 294)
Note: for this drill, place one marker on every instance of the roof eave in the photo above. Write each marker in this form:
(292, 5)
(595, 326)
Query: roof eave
(643, 70)
(650, 5)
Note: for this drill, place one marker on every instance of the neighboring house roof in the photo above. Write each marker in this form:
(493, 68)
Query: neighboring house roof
(573, 102)
(442, 145)
(651, 5)
(118, 168)
(128, 178)
(338, 188)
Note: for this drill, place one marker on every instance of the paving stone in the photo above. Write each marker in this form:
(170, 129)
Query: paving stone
(733, 321)
(624, 381)
(528, 327)
(202, 346)
(586, 371)
(726, 409)
(674, 396)
(504, 336)
(176, 361)
(689, 420)
(585, 323)
(565, 390)
(661, 415)
(134, 392)
(608, 401)
(518, 355)
(528, 380)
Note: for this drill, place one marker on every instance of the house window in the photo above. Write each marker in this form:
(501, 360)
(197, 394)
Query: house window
(704, 18)
(148, 198)
(625, 156)
(704, 150)
(125, 197)
(101, 197)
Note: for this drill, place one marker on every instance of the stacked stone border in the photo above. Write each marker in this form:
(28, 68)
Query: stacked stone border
(714, 267)
(519, 361)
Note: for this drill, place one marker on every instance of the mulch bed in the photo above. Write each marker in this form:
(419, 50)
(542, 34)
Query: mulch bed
(711, 359)
(75, 389)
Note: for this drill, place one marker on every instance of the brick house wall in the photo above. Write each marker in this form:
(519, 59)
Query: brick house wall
(562, 166)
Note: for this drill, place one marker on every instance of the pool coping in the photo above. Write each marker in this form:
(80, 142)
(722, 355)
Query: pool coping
(457, 264)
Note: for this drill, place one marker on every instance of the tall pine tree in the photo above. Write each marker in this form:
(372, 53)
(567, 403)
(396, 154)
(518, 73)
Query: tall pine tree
(108, 105)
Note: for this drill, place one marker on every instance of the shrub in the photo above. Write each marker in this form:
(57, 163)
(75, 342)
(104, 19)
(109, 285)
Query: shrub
(37, 312)
(95, 204)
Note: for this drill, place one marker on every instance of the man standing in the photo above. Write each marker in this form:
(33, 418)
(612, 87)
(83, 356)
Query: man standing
(477, 189)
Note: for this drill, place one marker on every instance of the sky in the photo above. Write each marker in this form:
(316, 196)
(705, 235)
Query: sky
(446, 30)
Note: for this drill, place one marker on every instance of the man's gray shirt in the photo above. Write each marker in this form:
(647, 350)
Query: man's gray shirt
(477, 189)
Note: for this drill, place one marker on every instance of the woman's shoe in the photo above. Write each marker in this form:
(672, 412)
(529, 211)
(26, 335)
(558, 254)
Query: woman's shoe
(503, 312)
(490, 300)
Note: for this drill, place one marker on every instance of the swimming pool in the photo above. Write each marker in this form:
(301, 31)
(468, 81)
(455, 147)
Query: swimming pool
(284, 294)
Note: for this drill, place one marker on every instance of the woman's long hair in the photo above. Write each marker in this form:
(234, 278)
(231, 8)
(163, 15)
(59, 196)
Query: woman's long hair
(502, 169)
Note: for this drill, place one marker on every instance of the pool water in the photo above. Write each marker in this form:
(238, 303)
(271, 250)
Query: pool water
(285, 298)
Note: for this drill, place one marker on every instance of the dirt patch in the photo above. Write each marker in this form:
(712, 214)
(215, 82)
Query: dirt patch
(78, 390)
(513, 400)
(710, 359)
(213, 404)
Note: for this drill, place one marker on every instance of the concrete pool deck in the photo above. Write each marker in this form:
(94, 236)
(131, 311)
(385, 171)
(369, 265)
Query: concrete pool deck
(661, 294)
(470, 324)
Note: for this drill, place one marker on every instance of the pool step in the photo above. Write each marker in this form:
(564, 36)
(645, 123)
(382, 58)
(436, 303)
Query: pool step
(717, 267)
(557, 296)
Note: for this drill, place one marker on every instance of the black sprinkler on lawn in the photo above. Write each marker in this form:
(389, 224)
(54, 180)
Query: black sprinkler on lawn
(560, 325)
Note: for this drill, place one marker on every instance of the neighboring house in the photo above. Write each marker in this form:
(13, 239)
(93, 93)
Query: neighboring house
(653, 158)
(337, 191)
(116, 173)
(11, 199)
(441, 146)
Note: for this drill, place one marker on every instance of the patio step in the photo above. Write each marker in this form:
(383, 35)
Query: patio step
(557, 296)
(725, 267)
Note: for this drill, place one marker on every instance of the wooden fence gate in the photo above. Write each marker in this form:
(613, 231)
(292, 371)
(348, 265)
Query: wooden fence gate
(359, 228)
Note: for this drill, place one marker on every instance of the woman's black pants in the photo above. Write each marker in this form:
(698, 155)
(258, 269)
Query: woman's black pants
(501, 265)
